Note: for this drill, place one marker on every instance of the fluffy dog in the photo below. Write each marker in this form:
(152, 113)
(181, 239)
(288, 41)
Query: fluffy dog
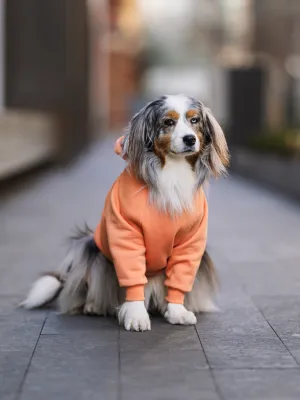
(148, 251)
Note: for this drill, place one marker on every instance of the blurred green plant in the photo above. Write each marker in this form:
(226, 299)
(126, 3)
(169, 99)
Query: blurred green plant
(285, 142)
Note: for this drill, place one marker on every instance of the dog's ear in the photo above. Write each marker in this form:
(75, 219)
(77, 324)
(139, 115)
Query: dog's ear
(141, 131)
(218, 156)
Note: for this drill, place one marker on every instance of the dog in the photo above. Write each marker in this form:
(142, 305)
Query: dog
(148, 253)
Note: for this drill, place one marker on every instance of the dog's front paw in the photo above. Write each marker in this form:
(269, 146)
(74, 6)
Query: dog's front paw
(134, 316)
(177, 314)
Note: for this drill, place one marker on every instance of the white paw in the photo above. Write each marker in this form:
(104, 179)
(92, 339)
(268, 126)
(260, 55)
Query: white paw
(90, 309)
(177, 314)
(134, 316)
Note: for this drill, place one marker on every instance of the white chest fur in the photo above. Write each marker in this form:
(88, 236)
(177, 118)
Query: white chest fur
(176, 185)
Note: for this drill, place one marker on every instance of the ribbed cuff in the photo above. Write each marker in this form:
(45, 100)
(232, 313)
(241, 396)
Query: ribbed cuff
(175, 296)
(135, 293)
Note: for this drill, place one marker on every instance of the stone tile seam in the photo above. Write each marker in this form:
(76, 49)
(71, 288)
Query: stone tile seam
(217, 388)
(20, 388)
(270, 325)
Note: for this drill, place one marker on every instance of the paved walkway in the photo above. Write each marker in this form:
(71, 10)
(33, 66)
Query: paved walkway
(249, 351)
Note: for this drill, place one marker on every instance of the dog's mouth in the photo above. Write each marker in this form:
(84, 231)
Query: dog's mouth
(186, 152)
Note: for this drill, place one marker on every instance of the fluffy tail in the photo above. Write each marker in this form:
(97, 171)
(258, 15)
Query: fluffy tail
(207, 269)
(70, 282)
(43, 291)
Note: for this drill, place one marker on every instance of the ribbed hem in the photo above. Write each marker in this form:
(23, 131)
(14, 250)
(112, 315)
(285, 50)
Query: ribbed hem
(135, 293)
(175, 296)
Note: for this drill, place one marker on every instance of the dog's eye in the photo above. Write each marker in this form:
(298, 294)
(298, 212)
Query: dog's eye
(169, 122)
(194, 120)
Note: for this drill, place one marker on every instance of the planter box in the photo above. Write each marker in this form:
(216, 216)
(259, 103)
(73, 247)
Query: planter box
(27, 139)
(277, 172)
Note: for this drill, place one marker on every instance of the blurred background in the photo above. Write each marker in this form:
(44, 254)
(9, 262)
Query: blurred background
(72, 71)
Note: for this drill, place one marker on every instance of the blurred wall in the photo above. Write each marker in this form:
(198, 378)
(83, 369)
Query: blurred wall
(47, 66)
(276, 41)
(98, 11)
(2, 52)
(124, 44)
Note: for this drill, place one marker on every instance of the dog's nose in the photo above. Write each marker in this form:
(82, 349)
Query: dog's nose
(189, 140)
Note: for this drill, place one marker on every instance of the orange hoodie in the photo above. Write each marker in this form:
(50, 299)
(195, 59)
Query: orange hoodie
(142, 241)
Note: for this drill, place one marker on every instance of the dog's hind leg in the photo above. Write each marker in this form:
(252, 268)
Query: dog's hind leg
(200, 299)
(73, 295)
(82, 255)
(103, 288)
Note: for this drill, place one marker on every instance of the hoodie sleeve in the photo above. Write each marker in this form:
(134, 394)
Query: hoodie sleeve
(185, 261)
(126, 243)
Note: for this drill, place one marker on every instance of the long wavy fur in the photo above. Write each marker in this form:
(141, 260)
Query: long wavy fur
(144, 128)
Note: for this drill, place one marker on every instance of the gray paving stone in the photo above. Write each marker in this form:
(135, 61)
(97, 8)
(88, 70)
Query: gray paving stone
(154, 358)
(172, 382)
(259, 384)
(231, 294)
(8, 397)
(162, 337)
(19, 332)
(18, 271)
(13, 365)
(279, 277)
(249, 224)
(72, 367)
(18, 328)
(166, 363)
(254, 240)
(57, 324)
(283, 313)
(242, 339)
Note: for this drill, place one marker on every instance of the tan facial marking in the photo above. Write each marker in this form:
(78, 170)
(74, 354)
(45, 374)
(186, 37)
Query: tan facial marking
(192, 160)
(191, 113)
(161, 147)
(172, 115)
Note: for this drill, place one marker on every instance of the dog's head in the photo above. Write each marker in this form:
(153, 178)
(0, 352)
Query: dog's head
(176, 126)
